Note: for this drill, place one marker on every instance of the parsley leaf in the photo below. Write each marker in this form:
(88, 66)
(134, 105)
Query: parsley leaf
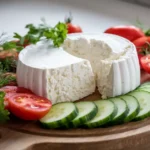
(9, 45)
(57, 34)
(4, 114)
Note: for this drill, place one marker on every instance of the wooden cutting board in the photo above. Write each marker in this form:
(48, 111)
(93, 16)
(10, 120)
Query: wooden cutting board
(30, 136)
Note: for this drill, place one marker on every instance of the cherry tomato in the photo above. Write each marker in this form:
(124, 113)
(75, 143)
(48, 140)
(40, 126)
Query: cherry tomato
(73, 28)
(11, 90)
(129, 32)
(142, 43)
(29, 106)
(145, 62)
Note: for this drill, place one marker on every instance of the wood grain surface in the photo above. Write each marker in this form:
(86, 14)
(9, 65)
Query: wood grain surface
(30, 136)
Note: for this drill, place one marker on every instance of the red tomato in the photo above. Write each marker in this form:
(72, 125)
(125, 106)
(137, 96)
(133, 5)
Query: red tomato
(15, 89)
(10, 90)
(144, 76)
(145, 62)
(73, 28)
(129, 32)
(142, 43)
(29, 106)
(140, 56)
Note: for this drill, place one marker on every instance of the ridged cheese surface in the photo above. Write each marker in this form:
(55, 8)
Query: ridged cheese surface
(113, 59)
(84, 62)
(55, 74)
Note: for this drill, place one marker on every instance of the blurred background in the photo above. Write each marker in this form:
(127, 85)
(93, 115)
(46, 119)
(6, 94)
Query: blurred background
(91, 15)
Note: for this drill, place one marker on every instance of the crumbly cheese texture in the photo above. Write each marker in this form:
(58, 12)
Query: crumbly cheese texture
(55, 74)
(84, 62)
(114, 61)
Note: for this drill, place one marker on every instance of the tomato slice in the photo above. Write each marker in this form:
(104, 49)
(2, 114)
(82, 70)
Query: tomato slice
(15, 89)
(145, 62)
(29, 106)
(10, 90)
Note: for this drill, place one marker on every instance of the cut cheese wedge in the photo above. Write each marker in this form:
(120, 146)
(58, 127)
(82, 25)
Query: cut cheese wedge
(113, 59)
(55, 74)
(84, 62)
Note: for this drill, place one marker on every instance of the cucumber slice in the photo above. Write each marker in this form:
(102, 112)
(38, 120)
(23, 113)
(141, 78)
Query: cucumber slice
(144, 85)
(106, 111)
(59, 115)
(87, 110)
(122, 111)
(146, 89)
(133, 107)
(143, 98)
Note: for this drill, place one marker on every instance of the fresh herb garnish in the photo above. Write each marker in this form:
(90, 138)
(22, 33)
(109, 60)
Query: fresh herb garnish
(56, 34)
(4, 114)
(10, 49)
(7, 79)
(8, 65)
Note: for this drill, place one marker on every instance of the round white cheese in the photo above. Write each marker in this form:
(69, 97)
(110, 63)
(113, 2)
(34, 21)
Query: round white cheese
(85, 62)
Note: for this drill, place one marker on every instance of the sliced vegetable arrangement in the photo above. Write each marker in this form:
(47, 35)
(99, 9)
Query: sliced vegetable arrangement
(132, 106)
(25, 105)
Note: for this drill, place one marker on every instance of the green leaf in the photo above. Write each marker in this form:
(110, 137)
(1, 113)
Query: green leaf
(19, 48)
(5, 80)
(4, 114)
(147, 32)
(16, 35)
(8, 45)
(57, 34)
(8, 65)
(32, 29)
